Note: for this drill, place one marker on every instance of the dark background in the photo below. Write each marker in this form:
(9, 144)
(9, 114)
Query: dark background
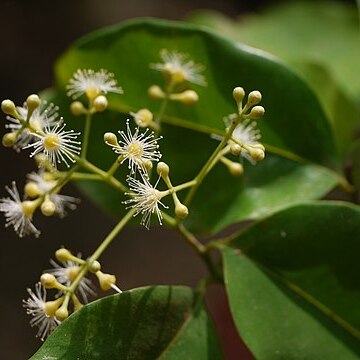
(33, 35)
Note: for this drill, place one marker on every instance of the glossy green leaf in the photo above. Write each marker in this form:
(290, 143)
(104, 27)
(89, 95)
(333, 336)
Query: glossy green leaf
(326, 54)
(293, 131)
(327, 32)
(294, 275)
(164, 322)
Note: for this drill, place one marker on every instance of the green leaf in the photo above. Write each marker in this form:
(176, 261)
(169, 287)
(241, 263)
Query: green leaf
(327, 32)
(292, 131)
(294, 275)
(326, 54)
(164, 322)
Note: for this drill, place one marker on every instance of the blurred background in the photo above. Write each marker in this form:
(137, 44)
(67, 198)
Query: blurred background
(34, 34)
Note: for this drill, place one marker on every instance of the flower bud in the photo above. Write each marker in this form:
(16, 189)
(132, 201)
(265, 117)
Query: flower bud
(8, 107)
(9, 139)
(77, 108)
(63, 255)
(48, 281)
(235, 149)
(163, 169)
(181, 211)
(48, 208)
(257, 112)
(254, 97)
(62, 313)
(238, 94)
(111, 139)
(189, 97)
(95, 266)
(236, 169)
(33, 101)
(32, 190)
(148, 164)
(155, 92)
(257, 154)
(100, 103)
(143, 117)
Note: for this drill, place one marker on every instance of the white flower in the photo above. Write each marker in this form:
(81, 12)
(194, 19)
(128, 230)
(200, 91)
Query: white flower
(42, 115)
(43, 317)
(92, 83)
(180, 68)
(57, 145)
(18, 213)
(145, 199)
(137, 148)
(67, 273)
(45, 182)
(247, 135)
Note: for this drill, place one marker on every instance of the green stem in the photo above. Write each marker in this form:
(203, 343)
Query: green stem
(115, 166)
(86, 176)
(104, 175)
(85, 142)
(209, 164)
(98, 252)
(201, 250)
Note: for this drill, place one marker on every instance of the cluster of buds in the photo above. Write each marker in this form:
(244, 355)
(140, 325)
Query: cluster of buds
(36, 125)
(41, 191)
(72, 290)
(177, 70)
(244, 140)
(146, 198)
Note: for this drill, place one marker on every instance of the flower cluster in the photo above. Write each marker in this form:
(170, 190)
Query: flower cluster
(37, 126)
(47, 314)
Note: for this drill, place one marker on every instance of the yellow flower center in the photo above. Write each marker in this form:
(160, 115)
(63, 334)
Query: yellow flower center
(73, 272)
(135, 149)
(92, 92)
(52, 142)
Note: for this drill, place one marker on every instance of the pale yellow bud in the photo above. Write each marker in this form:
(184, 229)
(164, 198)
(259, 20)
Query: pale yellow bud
(236, 169)
(235, 149)
(32, 190)
(48, 281)
(63, 255)
(163, 169)
(33, 101)
(187, 97)
(254, 97)
(95, 266)
(77, 108)
(48, 208)
(9, 139)
(181, 211)
(257, 154)
(62, 313)
(100, 103)
(105, 280)
(257, 112)
(143, 117)
(148, 164)
(155, 92)
(238, 94)
(8, 107)
(110, 139)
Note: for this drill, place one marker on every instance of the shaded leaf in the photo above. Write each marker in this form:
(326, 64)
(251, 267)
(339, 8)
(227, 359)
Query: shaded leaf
(146, 323)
